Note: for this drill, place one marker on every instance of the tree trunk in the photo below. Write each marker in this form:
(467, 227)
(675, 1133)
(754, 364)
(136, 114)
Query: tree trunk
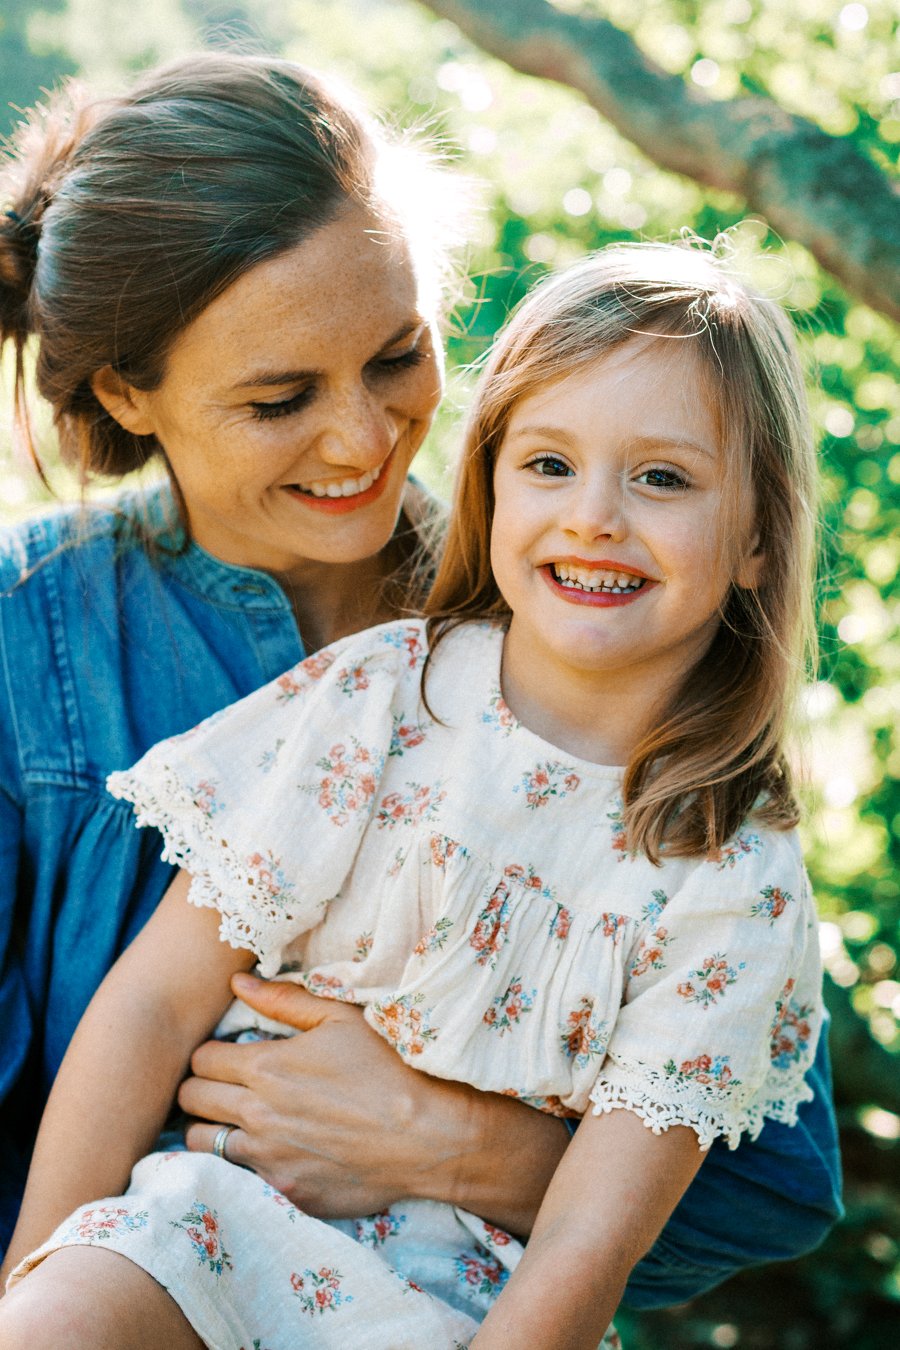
(809, 186)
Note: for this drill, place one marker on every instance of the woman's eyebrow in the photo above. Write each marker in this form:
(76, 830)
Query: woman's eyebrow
(268, 378)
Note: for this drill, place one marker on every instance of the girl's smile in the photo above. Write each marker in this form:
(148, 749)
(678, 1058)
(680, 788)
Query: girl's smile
(601, 583)
(611, 541)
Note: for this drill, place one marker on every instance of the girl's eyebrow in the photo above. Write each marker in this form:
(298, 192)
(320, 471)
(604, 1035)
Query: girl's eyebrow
(641, 443)
(267, 378)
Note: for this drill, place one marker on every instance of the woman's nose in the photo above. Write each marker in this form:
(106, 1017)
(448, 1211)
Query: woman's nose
(359, 431)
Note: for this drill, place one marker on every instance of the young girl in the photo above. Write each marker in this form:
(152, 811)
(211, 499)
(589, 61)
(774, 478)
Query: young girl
(545, 837)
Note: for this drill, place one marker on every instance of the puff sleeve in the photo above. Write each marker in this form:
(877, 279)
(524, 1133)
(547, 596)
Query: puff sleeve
(265, 803)
(722, 1004)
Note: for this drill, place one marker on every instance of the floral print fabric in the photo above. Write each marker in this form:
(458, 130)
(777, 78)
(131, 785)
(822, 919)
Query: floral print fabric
(470, 886)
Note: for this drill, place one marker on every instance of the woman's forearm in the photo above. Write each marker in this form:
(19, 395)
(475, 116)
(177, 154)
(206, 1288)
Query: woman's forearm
(491, 1155)
(341, 1125)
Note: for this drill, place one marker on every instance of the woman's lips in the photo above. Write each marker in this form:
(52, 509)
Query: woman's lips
(338, 506)
(598, 599)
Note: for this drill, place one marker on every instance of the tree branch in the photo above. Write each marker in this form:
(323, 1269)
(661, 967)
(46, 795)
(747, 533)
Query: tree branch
(812, 187)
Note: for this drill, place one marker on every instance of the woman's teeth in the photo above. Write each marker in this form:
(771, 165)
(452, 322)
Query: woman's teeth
(345, 487)
(593, 579)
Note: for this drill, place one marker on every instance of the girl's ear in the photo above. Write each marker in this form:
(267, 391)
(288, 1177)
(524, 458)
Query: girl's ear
(122, 401)
(749, 571)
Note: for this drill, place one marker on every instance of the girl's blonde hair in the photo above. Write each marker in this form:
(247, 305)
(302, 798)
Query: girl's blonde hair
(715, 755)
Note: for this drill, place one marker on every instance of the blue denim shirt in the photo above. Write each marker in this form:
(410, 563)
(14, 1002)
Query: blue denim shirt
(107, 647)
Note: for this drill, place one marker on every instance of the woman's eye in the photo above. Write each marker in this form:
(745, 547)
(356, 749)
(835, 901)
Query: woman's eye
(283, 407)
(549, 466)
(663, 478)
(403, 361)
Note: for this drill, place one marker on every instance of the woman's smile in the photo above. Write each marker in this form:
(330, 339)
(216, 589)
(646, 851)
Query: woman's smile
(338, 495)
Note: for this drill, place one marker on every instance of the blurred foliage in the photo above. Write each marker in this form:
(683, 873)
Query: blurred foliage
(555, 180)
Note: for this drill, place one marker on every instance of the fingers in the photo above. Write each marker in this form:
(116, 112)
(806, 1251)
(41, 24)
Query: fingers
(224, 1062)
(200, 1138)
(288, 1003)
(221, 1102)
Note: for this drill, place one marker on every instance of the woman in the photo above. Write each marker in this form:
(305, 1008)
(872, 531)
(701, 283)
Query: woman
(225, 270)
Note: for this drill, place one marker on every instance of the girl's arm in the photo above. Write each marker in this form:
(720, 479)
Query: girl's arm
(609, 1198)
(121, 1071)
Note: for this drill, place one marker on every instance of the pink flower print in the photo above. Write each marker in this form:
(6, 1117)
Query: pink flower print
(546, 780)
(319, 1291)
(498, 716)
(99, 1223)
(529, 879)
(707, 1070)
(553, 1106)
(434, 939)
(327, 986)
(741, 846)
(442, 849)
(611, 926)
(406, 639)
(496, 1237)
(202, 1227)
(404, 1023)
(268, 879)
(481, 1273)
(419, 803)
(282, 1202)
(791, 1030)
(351, 778)
(203, 795)
(352, 679)
(406, 735)
(581, 1037)
(713, 978)
(363, 946)
(772, 903)
(561, 923)
(375, 1229)
(508, 1008)
(492, 926)
(619, 839)
(292, 682)
(650, 953)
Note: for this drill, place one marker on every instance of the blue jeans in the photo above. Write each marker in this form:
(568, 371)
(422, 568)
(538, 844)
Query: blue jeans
(772, 1199)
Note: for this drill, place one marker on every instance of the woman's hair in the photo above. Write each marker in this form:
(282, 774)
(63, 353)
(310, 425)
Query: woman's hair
(122, 218)
(715, 753)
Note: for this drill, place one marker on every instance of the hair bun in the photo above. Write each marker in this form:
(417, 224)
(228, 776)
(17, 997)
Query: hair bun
(36, 161)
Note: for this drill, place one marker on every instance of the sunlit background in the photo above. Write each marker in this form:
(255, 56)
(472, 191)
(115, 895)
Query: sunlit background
(555, 180)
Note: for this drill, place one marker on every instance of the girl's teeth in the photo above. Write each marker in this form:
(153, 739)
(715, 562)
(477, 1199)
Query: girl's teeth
(583, 579)
(348, 487)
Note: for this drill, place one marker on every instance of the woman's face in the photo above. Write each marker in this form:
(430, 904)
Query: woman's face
(292, 406)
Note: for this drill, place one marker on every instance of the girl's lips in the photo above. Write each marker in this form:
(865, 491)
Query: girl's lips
(339, 506)
(598, 599)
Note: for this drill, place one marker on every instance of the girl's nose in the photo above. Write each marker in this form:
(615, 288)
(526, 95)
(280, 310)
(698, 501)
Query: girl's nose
(596, 510)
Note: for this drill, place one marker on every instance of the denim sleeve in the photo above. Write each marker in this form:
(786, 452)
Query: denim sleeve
(15, 1010)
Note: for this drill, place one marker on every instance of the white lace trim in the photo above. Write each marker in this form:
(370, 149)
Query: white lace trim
(661, 1101)
(253, 917)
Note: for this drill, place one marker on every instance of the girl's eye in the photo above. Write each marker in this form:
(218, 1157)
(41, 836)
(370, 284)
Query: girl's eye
(669, 479)
(549, 466)
(284, 407)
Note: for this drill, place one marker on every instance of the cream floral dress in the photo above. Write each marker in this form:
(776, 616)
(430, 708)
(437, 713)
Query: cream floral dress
(470, 886)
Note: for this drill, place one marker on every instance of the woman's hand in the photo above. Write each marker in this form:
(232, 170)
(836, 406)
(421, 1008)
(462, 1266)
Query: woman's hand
(335, 1120)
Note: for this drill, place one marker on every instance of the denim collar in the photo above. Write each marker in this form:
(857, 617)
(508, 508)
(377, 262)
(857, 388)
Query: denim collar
(221, 583)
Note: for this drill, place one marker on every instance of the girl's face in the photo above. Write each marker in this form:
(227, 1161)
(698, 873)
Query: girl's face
(292, 406)
(608, 533)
